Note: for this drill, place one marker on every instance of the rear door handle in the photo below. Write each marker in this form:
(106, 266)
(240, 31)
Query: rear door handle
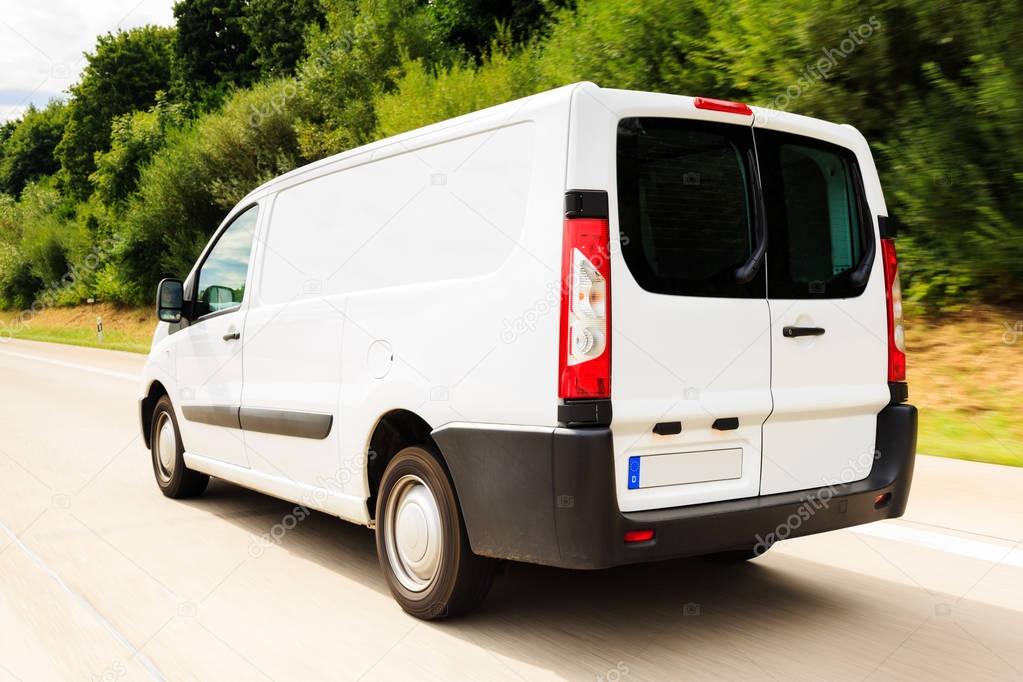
(794, 332)
(233, 336)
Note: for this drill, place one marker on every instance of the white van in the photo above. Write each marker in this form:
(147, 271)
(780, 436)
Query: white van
(436, 336)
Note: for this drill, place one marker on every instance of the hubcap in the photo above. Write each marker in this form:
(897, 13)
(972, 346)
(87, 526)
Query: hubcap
(412, 533)
(166, 446)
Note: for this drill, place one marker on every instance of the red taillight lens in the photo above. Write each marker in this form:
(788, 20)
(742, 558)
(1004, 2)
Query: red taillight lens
(722, 105)
(644, 535)
(584, 357)
(893, 294)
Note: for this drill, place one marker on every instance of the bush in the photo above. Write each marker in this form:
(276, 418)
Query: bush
(134, 139)
(422, 97)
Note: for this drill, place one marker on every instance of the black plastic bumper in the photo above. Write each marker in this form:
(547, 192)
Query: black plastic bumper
(547, 496)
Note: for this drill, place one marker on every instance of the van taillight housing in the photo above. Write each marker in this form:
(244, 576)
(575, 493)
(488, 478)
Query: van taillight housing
(893, 295)
(584, 357)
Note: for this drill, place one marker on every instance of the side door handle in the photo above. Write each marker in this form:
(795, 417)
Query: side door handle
(233, 336)
(795, 332)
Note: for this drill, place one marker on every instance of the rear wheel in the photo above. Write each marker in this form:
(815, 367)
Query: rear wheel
(174, 478)
(422, 545)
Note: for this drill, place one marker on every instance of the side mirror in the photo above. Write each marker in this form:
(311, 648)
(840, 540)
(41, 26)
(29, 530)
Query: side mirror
(170, 300)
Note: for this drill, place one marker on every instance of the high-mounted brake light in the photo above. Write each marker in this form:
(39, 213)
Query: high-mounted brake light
(584, 357)
(722, 105)
(893, 296)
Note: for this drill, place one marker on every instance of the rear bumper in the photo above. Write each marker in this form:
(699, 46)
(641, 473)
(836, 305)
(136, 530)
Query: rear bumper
(547, 496)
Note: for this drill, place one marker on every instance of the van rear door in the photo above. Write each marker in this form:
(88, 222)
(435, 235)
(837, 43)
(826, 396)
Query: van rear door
(826, 295)
(690, 341)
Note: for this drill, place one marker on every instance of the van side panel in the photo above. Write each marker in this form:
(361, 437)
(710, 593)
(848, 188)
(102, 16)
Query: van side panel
(450, 295)
(288, 325)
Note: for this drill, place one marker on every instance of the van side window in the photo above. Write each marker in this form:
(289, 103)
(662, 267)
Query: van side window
(685, 206)
(221, 281)
(812, 193)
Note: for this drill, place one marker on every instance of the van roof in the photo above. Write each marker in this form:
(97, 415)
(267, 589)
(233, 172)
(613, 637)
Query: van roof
(506, 110)
(764, 117)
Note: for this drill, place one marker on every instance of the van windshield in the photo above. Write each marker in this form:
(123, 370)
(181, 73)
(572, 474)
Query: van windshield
(684, 205)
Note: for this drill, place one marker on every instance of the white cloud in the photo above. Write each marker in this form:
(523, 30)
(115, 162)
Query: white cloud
(42, 41)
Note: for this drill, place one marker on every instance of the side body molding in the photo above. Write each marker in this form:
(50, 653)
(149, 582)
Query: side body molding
(280, 422)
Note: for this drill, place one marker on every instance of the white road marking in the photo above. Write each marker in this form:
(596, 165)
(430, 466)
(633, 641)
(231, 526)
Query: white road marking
(73, 365)
(143, 659)
(973, 549)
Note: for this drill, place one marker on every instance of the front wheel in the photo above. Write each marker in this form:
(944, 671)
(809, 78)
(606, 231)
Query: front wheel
(174, 478)
(422, 545)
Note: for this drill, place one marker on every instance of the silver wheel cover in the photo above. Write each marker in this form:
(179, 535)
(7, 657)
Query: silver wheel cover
(413, 533)
(166, 445)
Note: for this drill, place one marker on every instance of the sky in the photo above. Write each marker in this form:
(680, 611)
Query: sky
(42, 41)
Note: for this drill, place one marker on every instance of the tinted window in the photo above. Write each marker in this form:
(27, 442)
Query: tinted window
(813, 197)
(684, 205)
(221, 282)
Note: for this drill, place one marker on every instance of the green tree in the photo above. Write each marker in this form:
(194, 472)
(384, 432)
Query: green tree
(125, 73)
(357, 55)
(28, 152)
(473, 24)
(276, 29)
(135, 138)
(212, 51)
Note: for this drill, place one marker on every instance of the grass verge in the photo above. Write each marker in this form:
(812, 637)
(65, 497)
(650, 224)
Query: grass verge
(127, 329)
(966, 376)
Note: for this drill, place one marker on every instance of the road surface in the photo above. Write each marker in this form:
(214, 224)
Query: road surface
(102, 578)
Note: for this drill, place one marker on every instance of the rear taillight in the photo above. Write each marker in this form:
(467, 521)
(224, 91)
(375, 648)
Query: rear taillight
(893, 294)
(584, 358)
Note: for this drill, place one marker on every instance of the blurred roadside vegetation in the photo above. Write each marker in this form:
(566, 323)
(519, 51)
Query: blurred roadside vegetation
(122, 183)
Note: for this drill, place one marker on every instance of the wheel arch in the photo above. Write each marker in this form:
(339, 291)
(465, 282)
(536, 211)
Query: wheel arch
(147, 406)
(394, 430)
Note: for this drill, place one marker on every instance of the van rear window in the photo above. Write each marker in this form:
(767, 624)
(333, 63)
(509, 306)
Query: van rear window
(817, 227)
(685, 206)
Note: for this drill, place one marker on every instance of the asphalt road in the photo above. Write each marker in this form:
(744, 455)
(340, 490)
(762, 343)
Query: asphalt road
(102, 578)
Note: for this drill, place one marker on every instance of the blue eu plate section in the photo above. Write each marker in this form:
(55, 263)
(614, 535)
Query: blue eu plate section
(633, 473)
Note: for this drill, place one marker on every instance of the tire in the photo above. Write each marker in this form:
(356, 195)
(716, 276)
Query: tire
(735, 556)
(175, 479)
(422, 545)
